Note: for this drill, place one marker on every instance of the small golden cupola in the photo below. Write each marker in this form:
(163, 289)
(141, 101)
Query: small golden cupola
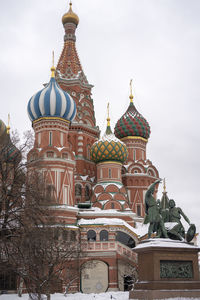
(70, 16)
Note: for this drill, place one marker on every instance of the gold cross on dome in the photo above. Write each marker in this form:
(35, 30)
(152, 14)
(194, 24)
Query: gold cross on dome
(131, 92)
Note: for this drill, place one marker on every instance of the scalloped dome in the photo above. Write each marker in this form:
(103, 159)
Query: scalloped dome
(70, 17)
(51, 101)
(108, 148)
(132, 123)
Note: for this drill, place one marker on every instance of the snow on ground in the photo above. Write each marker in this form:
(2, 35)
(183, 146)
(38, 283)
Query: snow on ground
(77, 296)
(80, 296)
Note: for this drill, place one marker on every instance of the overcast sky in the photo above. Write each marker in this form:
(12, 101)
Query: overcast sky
(154, 42)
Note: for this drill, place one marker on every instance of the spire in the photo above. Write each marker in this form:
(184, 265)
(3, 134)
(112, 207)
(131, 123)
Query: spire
(131, 92)
(53, 68)
(164, 186)
(8, 126)
(69, 66)
(108, 129)
(164, 199)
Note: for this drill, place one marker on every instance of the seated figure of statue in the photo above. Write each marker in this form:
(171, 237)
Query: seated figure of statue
(175, 213)
(153, 214)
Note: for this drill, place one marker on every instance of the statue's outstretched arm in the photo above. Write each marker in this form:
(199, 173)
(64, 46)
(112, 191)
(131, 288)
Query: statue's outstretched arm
(152, 187)
(184, 216)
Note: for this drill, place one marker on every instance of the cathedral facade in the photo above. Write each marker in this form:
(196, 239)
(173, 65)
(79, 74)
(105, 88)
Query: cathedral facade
(98, 183)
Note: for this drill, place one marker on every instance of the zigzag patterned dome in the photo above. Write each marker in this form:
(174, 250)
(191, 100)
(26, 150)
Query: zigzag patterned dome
(52, 101)
(132, 123)
(108, 148)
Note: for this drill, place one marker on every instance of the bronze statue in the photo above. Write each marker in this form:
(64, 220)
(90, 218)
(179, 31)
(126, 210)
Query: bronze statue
(153, 214)
(175, 213)
(158, 217)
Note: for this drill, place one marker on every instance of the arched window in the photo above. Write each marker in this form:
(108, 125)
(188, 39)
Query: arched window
(87, 192)
(91, 236)
(104, 235)
(78, 190)
(125, 239)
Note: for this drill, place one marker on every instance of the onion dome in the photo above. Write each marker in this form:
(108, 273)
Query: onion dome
(52, 101)
(3, 132)
(132, 123)
(108, 148)
(8, 151)
(70, 16)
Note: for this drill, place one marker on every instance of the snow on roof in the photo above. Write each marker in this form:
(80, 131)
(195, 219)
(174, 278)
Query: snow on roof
(98, 211)
(156, 242)
(84, 177)
(92, 179)
(105, 184)
(141, 229)
(103, 201)
(59, 148)
(64, 206)
(106, 221)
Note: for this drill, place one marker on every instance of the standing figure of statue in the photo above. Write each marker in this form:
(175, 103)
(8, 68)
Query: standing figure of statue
(153, 214)
(175, 213)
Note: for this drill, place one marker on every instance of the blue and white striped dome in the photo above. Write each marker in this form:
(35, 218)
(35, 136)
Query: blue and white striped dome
(52, 101)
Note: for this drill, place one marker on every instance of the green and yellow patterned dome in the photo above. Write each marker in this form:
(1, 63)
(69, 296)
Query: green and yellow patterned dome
(108, 148)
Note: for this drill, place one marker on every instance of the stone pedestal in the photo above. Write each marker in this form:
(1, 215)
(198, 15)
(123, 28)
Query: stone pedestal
(166, 269)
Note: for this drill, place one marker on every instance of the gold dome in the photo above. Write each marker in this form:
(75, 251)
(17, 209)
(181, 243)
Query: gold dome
(70, 16)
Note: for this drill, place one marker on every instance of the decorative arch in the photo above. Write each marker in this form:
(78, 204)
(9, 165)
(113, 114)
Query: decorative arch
(125, 239)
(152, 171)
(136, 168)
(113, 205)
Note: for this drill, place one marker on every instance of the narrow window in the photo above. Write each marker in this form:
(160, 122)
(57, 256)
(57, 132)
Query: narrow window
(66, 194)
(50, 138)
(61, 139)
(87, 193)
(109, 173)
(73, 236)
(78, 190)
(39, 138)
(138, 210)
(143, 155)
(134, 154)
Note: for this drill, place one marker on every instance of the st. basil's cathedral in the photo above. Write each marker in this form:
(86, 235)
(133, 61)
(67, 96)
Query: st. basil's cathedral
(97, 183)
